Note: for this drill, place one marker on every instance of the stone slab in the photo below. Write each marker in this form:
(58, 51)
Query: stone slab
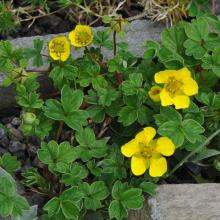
(137, 32)
(182, 202)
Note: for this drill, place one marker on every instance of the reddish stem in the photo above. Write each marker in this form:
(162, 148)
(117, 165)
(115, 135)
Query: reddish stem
(213, 7)
(38, 71)
(114, 43)
(59, 130)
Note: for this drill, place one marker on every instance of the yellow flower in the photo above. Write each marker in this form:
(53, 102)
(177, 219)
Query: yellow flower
(154, 93)
(178, 86)
(59, 48)
(147, 153)
(81, 36)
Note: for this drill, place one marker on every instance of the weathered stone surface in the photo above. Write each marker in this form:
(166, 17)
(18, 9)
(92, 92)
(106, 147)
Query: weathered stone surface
(136, 35)
(182, 202)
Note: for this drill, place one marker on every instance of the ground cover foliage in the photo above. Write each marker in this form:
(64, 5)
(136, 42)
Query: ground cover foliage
(134, 121)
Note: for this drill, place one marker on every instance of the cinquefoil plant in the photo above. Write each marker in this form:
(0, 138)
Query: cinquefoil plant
(163, 105)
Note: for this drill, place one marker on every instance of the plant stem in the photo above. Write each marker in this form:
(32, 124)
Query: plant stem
(38, 71)
(114, 43)
(59, 130)
(185, 159)
(213, 7)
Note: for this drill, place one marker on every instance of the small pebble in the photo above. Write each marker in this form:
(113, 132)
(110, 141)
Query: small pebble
(2, 133)
(4, 142)
(16, 146)
(2, 151)
(16, 121)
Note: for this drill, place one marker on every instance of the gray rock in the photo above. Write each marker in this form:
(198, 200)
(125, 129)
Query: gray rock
(2, 151)
(15, 134)
(4, 142)
(2, 133)
(182, 202)
(16, 121)
(136, 35)
(16, 146)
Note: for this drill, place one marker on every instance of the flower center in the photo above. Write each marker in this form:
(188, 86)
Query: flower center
(82, 37)
(148, 150)
(155, 92)
(173, 86)
(58, 47)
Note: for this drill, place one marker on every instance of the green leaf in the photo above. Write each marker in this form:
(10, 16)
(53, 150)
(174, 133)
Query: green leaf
(33, 177)
(118, 189)
(173, 38)
(74, 175)
(192, 130)
(205, 153)
(198, 29)
(93, 194)
(19, 205)
(128, 115)
(151, 50)
(9, 163)
(52, 206)
(69, 209)
(77, 119)
(130, 87)
(167, 114)
(89, 147)
(117, 210)
(194, 49)
(71, 99)
(97, 113)
(7, 187)
(53, 109)
(35, 53)
(30, 214)
(99, 190)
(172, 130)
(170, 59)
(56, 156)
(73, 194)
(6, 206)
(102, 39)
(149, 188)
(63, 74)
(85, 137)
(107, 96)
(132, 198)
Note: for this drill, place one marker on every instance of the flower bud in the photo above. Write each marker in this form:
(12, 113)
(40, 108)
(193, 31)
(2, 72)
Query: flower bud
(217, 164)
(29, 118)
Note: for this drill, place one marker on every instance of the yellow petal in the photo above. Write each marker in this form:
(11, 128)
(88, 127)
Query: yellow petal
(165, 146)
(81, 36)
(184, 73)
(190, 86)
(181, 101)
(154, 93)
(165, 98)
(158, 167)
(130, 148)
(59, 48)
(163, 76)
(84, 28)
(146, 135)
(139, 165)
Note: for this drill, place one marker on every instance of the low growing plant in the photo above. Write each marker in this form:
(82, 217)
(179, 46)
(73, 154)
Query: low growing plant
(161, 111)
